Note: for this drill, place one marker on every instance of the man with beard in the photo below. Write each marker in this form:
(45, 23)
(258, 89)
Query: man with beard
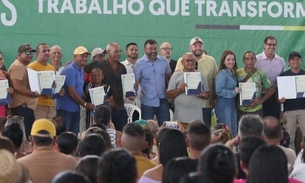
(24, 101)
(166, 51)
(150, 72)
(132, 54)
(207, 66)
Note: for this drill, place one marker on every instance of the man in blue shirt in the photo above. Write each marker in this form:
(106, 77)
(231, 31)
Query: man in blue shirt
(150, 72)
(69, 105)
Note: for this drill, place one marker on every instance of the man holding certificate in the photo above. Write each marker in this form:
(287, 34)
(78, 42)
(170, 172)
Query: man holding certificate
(294, 109)
(45, 107)
(251, 82)
(207, 66)
(24, 101)
(69, 104)
(187, 107)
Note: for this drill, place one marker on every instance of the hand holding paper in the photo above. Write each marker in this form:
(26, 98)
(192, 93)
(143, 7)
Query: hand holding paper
(193, 82)
(97, 95)
(128, 85)
(41, 81)
(247, 93)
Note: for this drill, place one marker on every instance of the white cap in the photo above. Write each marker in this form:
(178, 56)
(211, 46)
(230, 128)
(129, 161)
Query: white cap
(196, 39)
(97, 51)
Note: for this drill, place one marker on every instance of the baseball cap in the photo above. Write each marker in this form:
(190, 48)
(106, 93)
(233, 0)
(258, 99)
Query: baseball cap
(43, 124)
(142, 122)
(25, 47)
(97, 51)
(81, 50)
(10, 170)
(294, 54)
(196, 39)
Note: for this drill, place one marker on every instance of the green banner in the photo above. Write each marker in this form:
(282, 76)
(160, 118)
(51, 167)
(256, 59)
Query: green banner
(238, 25)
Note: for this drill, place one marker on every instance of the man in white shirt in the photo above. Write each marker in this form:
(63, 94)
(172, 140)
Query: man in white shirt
(272, 65)
(132, 54)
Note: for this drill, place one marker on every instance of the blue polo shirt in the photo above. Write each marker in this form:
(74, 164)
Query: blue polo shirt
(152, 79)
(75, 78)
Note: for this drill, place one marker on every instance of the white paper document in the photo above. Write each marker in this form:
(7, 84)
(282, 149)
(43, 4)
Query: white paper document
(291, 87)
(97, 95)
(128, 81)
(300, 84)
(41, 81)
(3, 88)
(247, 93)
(193, 82)
(60, 81)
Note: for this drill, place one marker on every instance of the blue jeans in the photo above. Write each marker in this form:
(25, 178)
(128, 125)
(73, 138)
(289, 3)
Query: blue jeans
(72, 120)
(207, 116)
(28, 117)
(119, 119)
(225, 110)
(162, 112)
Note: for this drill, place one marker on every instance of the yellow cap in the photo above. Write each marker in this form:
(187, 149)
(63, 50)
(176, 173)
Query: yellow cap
(81, 50)
(43, 124)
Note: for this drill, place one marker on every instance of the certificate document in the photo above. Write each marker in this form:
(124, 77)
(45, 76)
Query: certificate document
(300, 86)
(3, 89)
(46, 79)
(248, 93)
(128, 81)
(60, 81)
(291, 87)
(97, 95)
(41, 81)
(193, 82)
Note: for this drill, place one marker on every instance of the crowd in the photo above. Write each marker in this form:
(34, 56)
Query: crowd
(41, 140)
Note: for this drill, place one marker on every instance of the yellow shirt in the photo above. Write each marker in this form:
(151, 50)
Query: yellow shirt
(207, 66)
(37, 66)
(143, 164)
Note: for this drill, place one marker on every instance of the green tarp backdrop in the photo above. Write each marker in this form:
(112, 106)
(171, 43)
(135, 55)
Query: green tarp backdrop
(238, 25)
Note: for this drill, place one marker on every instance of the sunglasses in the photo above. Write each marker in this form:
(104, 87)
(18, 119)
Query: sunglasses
(29, 53)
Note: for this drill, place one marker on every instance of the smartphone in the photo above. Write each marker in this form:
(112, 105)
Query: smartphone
(171, 124)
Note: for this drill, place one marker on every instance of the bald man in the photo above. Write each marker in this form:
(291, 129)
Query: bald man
(166, 51)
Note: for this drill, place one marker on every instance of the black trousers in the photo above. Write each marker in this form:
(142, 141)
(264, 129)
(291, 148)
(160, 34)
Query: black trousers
(271, 107)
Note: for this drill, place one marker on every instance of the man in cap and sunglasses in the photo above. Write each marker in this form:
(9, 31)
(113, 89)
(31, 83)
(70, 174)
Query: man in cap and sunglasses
(24, 101)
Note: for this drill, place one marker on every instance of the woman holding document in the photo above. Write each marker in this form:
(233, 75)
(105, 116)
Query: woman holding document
(226, 89)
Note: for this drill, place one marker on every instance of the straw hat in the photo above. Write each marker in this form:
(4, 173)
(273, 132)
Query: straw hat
(10, 170)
